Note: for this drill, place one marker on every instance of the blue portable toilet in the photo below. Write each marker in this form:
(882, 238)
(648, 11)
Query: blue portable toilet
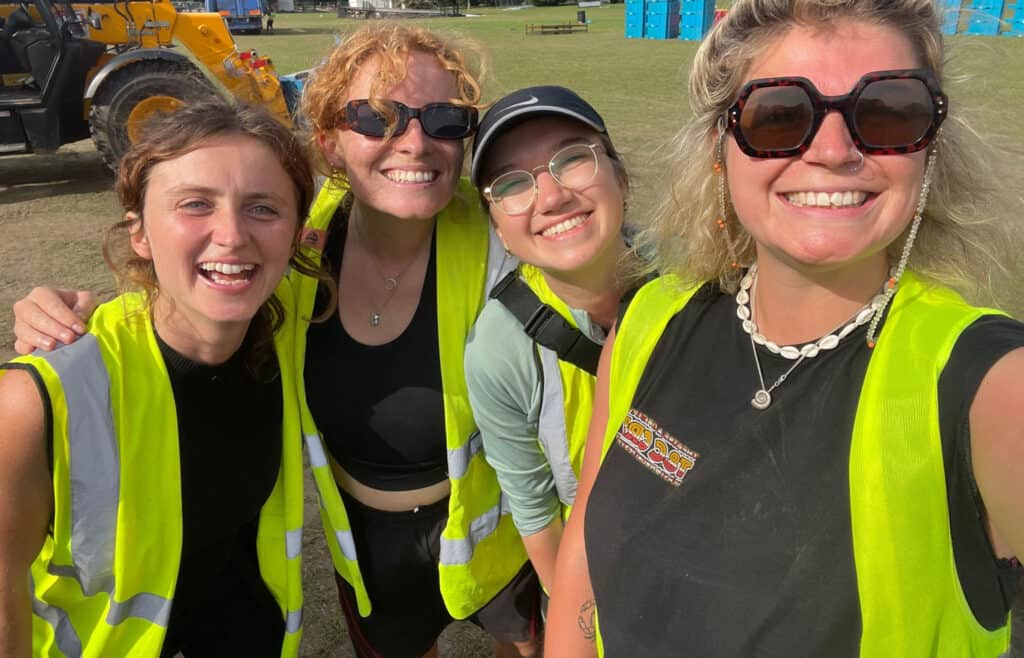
(661, 19)
(695, 18)
(634, 19)
(984, 17)
(950, 16)
(1013, 19)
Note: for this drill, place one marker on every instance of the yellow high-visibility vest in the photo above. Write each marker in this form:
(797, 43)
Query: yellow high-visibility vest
(567, 402)
(910, 597)
(103, 584)
(480, 548)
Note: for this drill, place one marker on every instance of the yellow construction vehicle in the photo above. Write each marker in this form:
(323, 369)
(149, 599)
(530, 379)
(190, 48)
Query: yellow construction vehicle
(71, 69)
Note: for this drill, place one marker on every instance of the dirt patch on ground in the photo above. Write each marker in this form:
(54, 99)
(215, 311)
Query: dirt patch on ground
(54, 213)
(54, 210)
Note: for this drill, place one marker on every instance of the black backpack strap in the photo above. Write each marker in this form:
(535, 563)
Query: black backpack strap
(544, 325)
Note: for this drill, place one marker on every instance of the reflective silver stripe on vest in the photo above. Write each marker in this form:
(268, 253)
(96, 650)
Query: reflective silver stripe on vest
(152, 608)
(346, 544)
(95, 468)
(499, 261)
(64, 635)
(318, 459)
(460, 551)
(293, 622)
(551, 430)
(94, 463)
(61, 570)
(293, 543)
(315, 448)
(459, 458)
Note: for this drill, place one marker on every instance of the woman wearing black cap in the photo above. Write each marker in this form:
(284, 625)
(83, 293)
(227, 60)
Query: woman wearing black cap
(555, 189)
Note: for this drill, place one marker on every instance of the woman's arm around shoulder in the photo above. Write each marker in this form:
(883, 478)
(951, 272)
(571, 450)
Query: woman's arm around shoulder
(26, 504)
(572, 631)
(997, 451)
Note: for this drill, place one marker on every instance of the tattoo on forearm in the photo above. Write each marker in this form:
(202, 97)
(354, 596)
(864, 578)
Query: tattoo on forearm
(586, 620)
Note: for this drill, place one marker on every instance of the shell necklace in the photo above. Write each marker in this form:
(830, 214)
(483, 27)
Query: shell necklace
(745, 311)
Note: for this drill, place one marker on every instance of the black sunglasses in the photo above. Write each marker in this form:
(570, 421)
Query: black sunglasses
(887, 112)
(439, 120)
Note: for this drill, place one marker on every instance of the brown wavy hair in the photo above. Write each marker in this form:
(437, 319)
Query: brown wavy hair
(328, 88)
(968, 238)
(167, 136)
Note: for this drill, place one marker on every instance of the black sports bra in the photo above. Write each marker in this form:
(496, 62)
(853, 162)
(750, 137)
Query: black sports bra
(380, 408)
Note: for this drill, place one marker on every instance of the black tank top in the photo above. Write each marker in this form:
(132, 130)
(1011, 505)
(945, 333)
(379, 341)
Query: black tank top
(229, 435)
(229, 441)
(752, 554)
(380, 408)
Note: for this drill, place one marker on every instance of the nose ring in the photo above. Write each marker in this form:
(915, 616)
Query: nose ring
(860, 162)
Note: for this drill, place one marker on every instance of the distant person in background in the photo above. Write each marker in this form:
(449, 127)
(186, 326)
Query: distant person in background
(270, 17)
(812, 443)
(151, 472)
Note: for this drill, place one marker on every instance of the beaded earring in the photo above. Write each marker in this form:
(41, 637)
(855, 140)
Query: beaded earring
(892, 285)
(718, 166)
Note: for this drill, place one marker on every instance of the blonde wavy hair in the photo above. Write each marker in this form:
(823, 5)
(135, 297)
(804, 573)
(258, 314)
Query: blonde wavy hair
(391, 43)
(967, 238)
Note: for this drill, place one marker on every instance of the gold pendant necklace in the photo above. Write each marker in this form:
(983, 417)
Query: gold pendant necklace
(391, 283)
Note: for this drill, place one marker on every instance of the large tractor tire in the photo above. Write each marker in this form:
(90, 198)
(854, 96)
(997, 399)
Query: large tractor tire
(133, 94)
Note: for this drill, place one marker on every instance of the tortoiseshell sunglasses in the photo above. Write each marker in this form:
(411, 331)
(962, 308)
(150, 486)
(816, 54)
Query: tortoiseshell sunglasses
(886, 112)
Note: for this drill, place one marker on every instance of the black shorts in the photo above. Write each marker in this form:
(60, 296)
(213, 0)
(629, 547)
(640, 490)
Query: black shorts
(398, 557)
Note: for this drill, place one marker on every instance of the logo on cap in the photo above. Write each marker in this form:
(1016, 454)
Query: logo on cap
(531, 101)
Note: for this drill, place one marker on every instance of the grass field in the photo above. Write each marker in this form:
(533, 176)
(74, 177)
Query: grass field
(54, 209)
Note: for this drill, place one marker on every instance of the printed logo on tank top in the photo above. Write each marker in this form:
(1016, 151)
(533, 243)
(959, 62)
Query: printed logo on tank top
(659, 451)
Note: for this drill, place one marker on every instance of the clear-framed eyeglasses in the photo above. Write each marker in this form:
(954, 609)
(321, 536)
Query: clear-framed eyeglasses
(572, 167)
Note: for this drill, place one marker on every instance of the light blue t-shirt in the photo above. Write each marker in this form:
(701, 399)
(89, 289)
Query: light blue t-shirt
(505, 392)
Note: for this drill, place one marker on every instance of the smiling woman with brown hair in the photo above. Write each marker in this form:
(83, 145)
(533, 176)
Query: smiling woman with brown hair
(180, 393)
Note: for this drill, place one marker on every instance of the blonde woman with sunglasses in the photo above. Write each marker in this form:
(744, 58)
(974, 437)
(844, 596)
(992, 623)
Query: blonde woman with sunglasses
(555, 189)
(811, 442)
(413, 513)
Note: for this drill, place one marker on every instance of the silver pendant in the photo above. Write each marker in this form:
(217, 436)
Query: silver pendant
(761, 400)
(375, 320)
(390, 283)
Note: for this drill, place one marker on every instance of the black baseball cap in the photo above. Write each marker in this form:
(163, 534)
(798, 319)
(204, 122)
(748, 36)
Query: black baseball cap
(525, 104)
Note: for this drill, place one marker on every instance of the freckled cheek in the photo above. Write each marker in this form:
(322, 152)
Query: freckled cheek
(279, 240)
(511, 227)
(749, 185)
(358, 154)
(904, 176)
(454, 154)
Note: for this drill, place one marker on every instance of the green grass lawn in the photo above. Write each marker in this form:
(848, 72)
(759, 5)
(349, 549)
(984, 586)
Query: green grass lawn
(638, 85)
